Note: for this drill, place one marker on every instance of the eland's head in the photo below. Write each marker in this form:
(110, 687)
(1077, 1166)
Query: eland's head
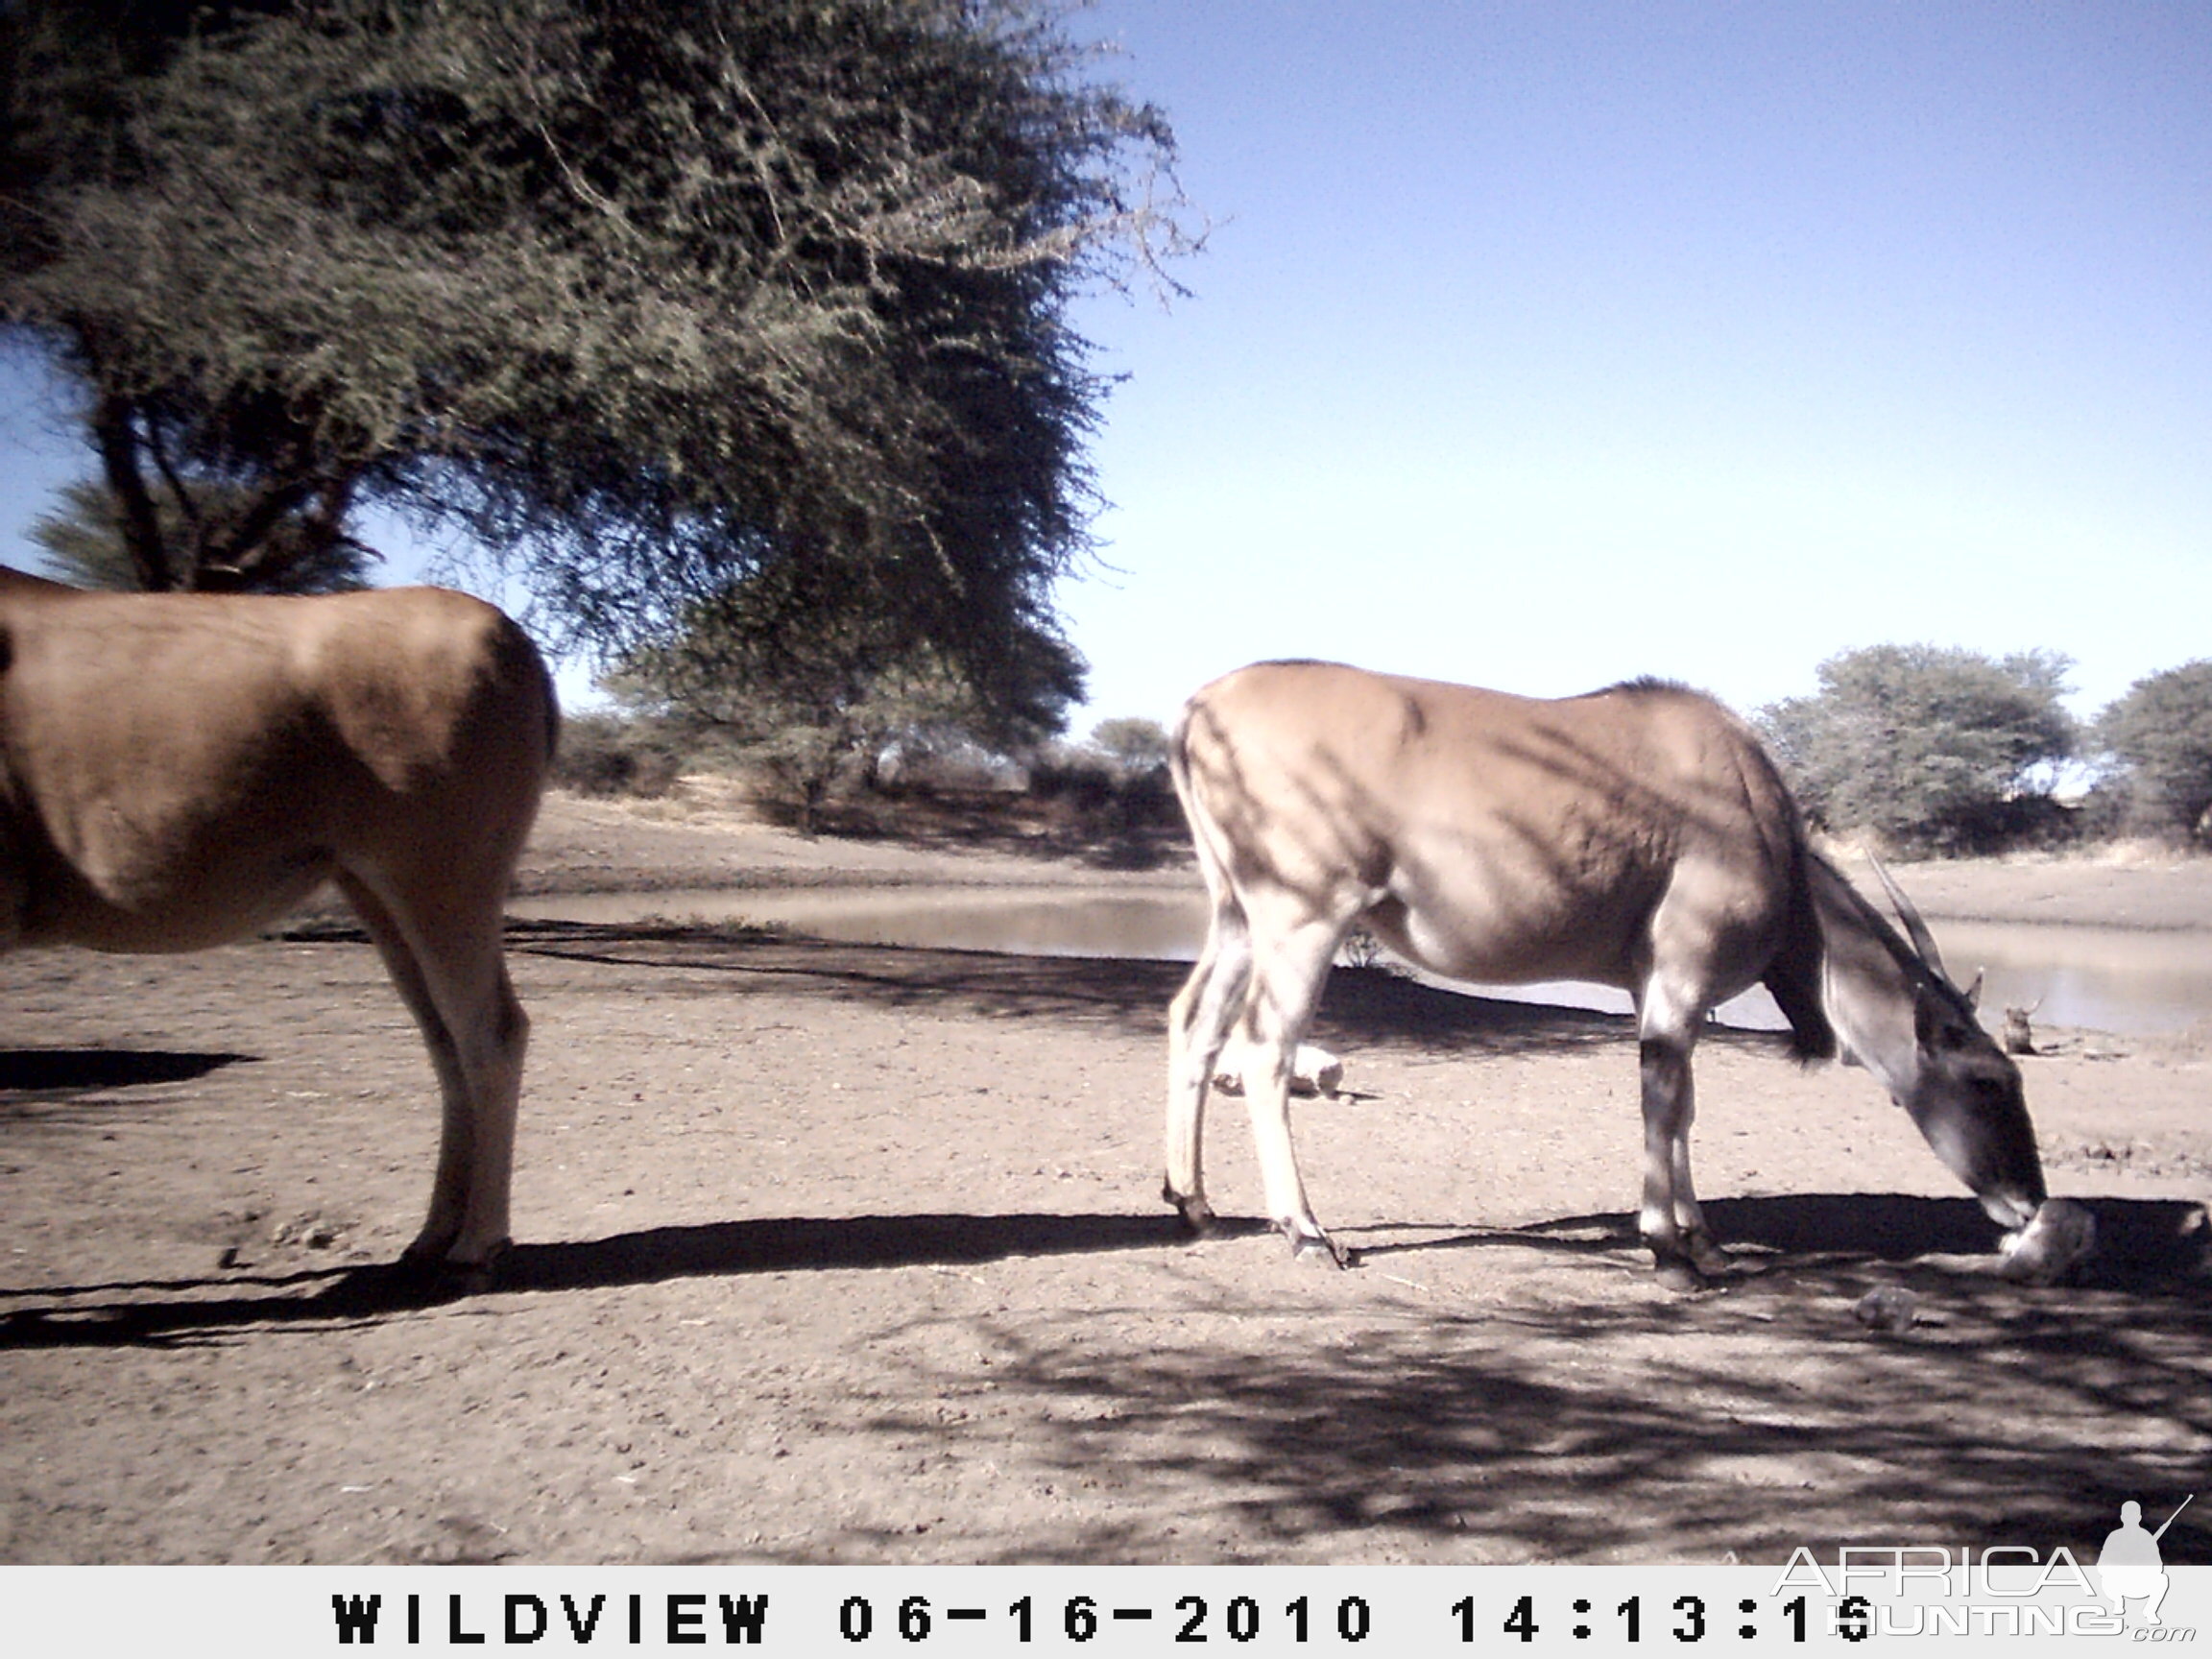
(1963, 1091)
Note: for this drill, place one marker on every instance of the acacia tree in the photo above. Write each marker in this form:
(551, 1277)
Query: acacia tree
(1939, 748)
(2160, 734)
(648, 298)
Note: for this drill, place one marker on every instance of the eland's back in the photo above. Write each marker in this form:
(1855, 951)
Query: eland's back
(181, 769)
(1495, 837)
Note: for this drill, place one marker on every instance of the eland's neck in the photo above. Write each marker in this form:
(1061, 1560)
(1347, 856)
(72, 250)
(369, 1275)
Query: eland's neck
(1868, 991)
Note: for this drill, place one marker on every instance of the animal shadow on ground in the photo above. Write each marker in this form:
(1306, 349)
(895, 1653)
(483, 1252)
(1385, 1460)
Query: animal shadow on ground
(186, 1314)
(63, 1070)
(2141, 1243)
(2145, 1246)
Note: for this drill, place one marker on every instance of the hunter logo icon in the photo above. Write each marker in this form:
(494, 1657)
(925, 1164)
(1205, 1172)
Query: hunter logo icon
(2129, 1565)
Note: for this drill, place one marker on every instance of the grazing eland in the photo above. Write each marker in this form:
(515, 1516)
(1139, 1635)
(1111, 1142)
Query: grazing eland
(1636, 837)
(178, 770)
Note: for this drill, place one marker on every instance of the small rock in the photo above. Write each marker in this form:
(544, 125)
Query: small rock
(1889, 1309)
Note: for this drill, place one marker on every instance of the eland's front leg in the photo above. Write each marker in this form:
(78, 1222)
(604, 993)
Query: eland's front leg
(1670, 1011)
(1670, 1220)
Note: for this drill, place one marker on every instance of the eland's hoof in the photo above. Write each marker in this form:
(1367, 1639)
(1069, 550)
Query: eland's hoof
(1312, 1246)
(1197, 1214)
(1710, 1258)
(1680, 1274)
(434, 1271)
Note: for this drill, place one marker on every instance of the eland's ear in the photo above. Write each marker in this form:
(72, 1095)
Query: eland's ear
(1973, 992)
(1937, 1024)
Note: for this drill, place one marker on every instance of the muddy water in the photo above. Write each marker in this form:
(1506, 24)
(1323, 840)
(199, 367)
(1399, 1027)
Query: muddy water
(2103, 978)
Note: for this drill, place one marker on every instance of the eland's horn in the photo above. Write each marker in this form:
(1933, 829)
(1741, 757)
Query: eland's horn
(1915, 929)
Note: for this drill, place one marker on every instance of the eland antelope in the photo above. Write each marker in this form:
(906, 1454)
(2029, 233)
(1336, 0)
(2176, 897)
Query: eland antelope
(179, 770)
(1636, 837)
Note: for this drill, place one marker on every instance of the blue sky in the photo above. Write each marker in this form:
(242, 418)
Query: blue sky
(1542, 345)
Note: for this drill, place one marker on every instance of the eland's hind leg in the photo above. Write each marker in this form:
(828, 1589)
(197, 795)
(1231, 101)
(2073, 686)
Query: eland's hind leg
(1197, 1028)
(452, 975)
(1289, 969)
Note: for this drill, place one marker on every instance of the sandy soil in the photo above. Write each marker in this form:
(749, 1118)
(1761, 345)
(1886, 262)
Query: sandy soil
(838, 1254)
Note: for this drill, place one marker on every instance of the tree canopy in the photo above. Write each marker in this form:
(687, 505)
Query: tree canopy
(1936, 747)
(2160, 734)
(650, 299)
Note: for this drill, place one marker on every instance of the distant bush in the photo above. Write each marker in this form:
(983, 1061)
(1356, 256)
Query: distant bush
(1130, 745)
(2159, 740)
(1086, 782)
(1133, 813)
(615, 755)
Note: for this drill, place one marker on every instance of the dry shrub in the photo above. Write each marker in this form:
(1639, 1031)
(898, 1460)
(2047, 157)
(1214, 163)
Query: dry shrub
(610, 755)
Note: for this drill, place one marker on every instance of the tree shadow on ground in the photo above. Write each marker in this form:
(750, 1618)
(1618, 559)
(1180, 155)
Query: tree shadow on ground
(1684, 1430)
(1573, 1423)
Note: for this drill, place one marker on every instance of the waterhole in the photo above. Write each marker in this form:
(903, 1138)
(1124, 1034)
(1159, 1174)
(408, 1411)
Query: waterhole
(2103, 978)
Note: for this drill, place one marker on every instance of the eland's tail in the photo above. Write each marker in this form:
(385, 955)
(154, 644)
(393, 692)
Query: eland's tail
(1794, 977)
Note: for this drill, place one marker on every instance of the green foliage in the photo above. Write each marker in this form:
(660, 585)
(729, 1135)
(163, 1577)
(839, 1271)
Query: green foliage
(2160, 736)
(85, 546)
(1938, 749)
(649, 299)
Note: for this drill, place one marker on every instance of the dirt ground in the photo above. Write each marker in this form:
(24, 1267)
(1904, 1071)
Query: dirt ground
(840, 1254)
